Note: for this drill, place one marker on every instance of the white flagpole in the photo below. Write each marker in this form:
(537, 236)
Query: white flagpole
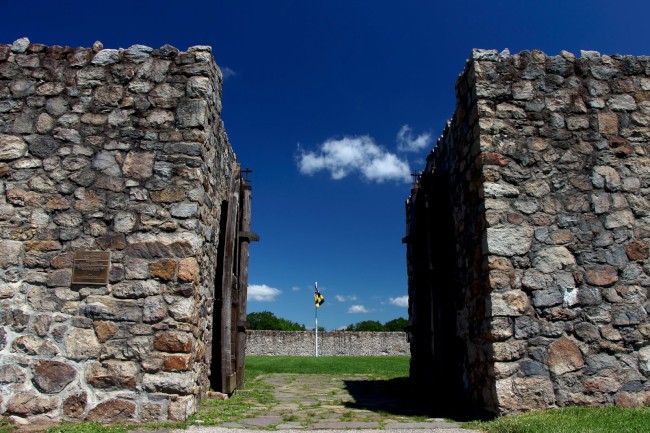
(316, 316)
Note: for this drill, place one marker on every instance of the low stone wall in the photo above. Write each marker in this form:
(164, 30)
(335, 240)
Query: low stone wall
(338, 343)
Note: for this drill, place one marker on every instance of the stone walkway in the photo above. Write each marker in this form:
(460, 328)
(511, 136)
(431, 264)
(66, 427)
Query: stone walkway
(322, 402)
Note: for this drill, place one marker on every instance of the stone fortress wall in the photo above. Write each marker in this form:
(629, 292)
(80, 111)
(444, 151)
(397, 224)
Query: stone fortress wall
(120, 151)
(529, 272)
(337, 343)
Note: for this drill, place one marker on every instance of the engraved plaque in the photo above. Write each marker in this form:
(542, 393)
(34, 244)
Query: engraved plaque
(91, 267)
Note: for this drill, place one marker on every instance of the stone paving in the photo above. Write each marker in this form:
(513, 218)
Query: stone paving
(323, 402)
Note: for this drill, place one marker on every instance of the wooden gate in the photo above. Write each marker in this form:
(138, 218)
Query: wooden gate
(229, 334)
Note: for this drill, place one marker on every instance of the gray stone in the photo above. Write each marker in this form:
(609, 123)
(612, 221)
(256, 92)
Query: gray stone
(509, 241)
(547, 298)
(136, 289)
(20, 45)
(175, 383)
(553, 259)
(183, 210)
(82, 344)
(191, 113)
(106, 57)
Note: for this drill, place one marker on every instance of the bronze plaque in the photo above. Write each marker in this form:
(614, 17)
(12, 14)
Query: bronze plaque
(91, 267)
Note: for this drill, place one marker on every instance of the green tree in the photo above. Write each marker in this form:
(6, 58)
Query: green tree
(366, 326)
(265, 320)
(396, 325)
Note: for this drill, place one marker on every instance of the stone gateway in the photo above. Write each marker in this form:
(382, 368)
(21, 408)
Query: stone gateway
(121, 210)
(527, 237)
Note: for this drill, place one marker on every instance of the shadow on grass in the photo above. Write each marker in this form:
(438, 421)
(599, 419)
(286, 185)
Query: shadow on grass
(395, 396)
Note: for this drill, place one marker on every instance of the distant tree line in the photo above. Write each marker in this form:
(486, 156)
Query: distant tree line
(395, 325)
(265, 320)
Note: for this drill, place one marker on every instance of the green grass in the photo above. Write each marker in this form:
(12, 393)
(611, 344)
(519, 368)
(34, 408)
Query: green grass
(385, 367)
(572, 420)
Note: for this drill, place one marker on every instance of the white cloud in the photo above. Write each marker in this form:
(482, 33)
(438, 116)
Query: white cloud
(345, 298)
(357, 309)
(262, 293)
(295, 289)
(402, 301)
(407, 143)
(354, 154)
(226, 73)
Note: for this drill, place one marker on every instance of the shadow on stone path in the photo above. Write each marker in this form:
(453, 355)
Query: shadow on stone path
(325, 402)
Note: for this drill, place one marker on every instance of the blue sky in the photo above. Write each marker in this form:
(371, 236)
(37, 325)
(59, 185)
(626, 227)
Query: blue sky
(332, 103)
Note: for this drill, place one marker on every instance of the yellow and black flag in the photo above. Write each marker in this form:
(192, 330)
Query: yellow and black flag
(318, 298)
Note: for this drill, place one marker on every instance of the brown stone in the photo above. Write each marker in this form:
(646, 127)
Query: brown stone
(57, 203)
(104, 330)
(188, 270)
(173, 341)
(163, 269)
(26, 404)
(620, 146)
(112, 375)
(493, 158)
(75, 405)
(19, 197)
(32, 345)
(608, 123)
(42, 246)
(564, 356)
(112, 411)
(138, 165)
(113, 241)
(177, 363)
(637, 250)
(88, 201)
(607, 384)
(51, 377)
(168, 195)
(59, 278)
(601, 275)
(62, 261)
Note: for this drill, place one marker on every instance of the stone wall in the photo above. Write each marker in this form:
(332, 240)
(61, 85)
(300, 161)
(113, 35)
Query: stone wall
(528, 236)
(120, 151)
(338, 343)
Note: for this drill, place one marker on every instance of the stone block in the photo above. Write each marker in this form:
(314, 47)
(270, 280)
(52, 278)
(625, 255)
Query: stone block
(52, 377)
(173, 341)
(564, 356)
(112, 411)
(82, 344)
(508, 241)
(74, 405)
(112, 375)
(27, 404)
(169, 382)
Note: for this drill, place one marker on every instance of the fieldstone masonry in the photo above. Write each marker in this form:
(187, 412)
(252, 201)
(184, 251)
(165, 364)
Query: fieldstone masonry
(120, 151)
(528, 235)
(335, 343)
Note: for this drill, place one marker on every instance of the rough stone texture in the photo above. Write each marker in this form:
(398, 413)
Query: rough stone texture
(337, 343)
(528, 232)
(121, 151)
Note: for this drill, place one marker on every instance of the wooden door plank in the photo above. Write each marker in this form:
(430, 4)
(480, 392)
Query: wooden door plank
(227, 280)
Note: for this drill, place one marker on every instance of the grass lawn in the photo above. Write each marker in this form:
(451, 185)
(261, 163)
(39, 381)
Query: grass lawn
(572, 420)
(380, 367)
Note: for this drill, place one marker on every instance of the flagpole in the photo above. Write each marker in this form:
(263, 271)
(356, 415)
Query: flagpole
(316, 317)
